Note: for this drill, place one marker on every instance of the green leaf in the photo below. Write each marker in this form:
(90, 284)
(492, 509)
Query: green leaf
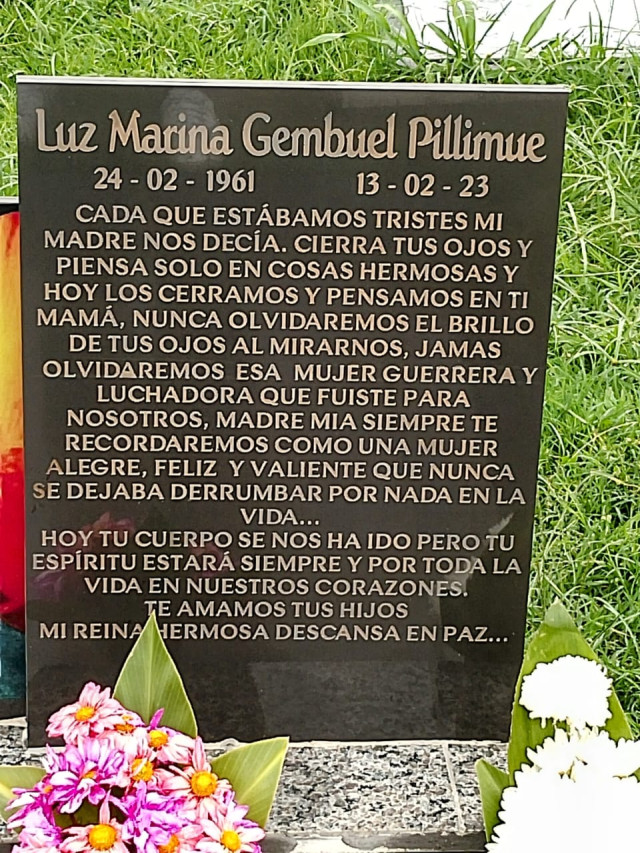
(254, 771)
(23, 776)
(150, 680)
(556, 636)
(492, 782)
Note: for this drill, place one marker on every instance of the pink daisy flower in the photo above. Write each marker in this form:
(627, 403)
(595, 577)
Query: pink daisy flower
(83, 772)
(151, 819)
(140, 760)
(184, 840)
(94, 713)
(171, 747)
(202, 791)
(28, 802)
(105, 837)
(126, 725)
(39, 835)
(231, 833)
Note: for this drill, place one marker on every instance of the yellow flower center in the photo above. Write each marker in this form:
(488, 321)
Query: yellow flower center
(231, 840)
(141, 770)
(203, 783)
(125, 726)
(90, 774)
(102, 836)
(171, 846)
(84, 713)
(157, 738)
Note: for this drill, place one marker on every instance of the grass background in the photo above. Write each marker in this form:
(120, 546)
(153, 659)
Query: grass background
(587, 542)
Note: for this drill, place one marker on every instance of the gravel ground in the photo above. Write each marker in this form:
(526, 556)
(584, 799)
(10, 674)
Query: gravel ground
(405, 795)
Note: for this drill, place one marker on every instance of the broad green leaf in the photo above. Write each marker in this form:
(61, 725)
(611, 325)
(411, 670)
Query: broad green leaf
(150, 680)
(492, 781)
(556, 636)
(23, 776)
(254, 771)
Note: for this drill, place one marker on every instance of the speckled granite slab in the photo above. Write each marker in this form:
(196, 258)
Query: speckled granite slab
(418, 796)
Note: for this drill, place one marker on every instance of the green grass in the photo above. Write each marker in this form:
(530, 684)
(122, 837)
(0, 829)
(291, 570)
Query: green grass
(587, 544)
(246, 39)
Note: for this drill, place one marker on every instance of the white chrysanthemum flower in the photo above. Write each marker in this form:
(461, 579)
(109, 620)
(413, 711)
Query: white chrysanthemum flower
(545, 811)
(532, 814)
(609, 757)
(570, 688)
(559, 753)
(569, 753)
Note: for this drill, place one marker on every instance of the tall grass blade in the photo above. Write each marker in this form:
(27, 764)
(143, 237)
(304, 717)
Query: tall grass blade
(536, 25)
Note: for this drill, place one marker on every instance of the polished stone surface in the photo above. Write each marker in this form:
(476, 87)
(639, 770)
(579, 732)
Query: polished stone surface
(390, 599)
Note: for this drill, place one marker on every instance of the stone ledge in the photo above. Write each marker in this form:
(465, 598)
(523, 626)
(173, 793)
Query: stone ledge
(276, 843)
(378, 797)
(350, 843)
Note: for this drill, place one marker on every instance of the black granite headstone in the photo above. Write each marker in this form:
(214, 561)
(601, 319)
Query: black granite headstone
(284, 368)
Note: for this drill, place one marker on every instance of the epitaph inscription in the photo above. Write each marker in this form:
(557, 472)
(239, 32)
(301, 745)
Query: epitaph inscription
(284, 367)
